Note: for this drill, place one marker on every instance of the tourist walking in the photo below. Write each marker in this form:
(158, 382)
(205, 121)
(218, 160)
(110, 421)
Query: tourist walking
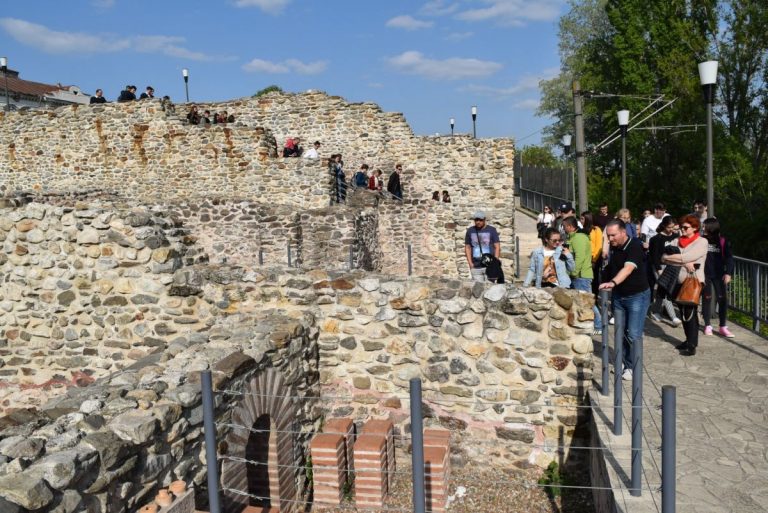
(551, 263)
(602, 217)
(718, 270)
(336, 169)
(651, 222)
(313, 152)
(394, 187)
(667, 232)
(691, 260)
(480, 242)
(581, 247)
(630, 294)
(545, 219)
(361, 177)
(374, 182)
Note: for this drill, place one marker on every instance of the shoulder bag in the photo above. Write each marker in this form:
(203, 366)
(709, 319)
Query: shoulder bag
(690, 291)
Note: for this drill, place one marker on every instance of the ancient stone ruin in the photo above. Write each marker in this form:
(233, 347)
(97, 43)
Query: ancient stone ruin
(138, 251)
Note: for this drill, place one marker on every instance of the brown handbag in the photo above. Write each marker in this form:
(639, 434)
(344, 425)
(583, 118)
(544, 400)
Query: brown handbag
(690, 291)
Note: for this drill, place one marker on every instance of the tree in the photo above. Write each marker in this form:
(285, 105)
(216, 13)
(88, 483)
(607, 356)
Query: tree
(269, 89)
(539, 156)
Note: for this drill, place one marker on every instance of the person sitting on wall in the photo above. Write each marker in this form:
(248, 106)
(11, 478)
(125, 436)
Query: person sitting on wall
(436, 196)
(206, 118)
(127, 95)
(313, 153)
(231, 118)
(289, 150)
(149, 94)
(298, 150)
(98, 97)
(193, 117)
(446, 197)
(394, 187)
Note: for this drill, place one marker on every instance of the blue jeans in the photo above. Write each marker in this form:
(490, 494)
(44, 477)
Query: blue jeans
(629, 317)
(585, 284)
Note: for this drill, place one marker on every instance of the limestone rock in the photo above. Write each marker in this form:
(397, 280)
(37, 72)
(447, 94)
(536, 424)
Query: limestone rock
(27, 489)
(134, 426)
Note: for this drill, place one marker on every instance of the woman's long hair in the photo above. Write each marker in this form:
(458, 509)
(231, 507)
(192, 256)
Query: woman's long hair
(588, 222)
(712, 230)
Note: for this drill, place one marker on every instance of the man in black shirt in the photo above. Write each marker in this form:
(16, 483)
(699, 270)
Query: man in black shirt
(631, 295)
(98, 97)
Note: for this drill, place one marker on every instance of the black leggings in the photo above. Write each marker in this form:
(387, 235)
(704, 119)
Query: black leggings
(690, 325)
(718, 285)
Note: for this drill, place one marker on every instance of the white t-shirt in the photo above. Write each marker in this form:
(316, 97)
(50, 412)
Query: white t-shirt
(311, 154)
(649, 226)
(547, 219)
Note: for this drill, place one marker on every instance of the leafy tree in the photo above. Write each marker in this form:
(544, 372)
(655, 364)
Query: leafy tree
(540, 156)
(269, 89)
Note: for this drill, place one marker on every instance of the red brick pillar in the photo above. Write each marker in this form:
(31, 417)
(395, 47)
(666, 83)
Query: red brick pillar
(346, 428)
(328, 473)
(436, 468)
(370, 470)
(386, 429)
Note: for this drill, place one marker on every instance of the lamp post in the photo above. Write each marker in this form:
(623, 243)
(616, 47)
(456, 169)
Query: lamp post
(4, 67)
(566, 142)
(623, 116)
(474, 122)
(453, 124)
(708, 77)
(185, 74)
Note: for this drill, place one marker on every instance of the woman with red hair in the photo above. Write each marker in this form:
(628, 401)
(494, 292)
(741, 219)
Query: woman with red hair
(691, 259)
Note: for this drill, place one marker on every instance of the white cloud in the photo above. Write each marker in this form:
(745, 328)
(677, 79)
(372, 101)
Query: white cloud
(526, 83)
(269, 6)
(439, 8)
(408, 23)
(513, 12)
(459, 36)
(527, 104)
(57, 42)
(415, 63)
(295, 65)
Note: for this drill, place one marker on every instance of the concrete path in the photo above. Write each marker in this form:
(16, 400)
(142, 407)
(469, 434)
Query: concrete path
(525, 229)
(722, 418)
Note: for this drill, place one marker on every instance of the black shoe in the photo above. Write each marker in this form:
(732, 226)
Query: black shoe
(691, 351)
(683, 347)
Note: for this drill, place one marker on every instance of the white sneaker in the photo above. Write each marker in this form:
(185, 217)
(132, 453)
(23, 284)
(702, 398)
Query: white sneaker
(654, 317)
(627, 375)
(676, 322)
(611, 322)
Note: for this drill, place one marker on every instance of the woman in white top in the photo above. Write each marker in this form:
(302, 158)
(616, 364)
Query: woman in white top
(545, 220)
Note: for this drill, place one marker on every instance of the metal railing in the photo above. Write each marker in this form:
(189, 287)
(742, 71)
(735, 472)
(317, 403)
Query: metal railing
(540, 186)
(746, 292)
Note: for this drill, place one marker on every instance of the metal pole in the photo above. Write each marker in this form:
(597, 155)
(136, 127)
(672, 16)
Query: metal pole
(474, 126)
(7, 98)
(606, 388)
(710, 171)
(209, 427)
(668, 448)
(623, 167)
(517, 256)
(581, 165)
(756, 298)
(186, 87)
(410, 260)
(637, 418)
(417, 447)
(618, 350)
(289, 254)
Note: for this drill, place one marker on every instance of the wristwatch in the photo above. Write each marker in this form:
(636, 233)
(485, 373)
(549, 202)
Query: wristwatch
(614, 283)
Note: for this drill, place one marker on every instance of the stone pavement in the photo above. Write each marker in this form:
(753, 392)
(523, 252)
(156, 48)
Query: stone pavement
(722, 419)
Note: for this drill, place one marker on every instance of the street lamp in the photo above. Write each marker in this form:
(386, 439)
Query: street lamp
(708, 77)
(566, 142)
(474, 122)
(453, 123)
(4, 67)
(623, 116)
(185, 74)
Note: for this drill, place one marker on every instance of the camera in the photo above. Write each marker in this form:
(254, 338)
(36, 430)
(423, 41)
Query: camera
(486, 259)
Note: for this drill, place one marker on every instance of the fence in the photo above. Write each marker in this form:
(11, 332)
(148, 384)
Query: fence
(746, 293)
(540, 186)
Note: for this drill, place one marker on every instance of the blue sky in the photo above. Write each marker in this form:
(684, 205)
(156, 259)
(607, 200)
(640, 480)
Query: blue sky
(430, 59)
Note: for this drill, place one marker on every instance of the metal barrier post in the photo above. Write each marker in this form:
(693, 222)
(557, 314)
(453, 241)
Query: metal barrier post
(209, 428)
(756, 293)
(517, 256)
(618, 350)
(410, 260)
(637, 418)
(417, 447)
(605, 382)
(668, 448)
(289, 255)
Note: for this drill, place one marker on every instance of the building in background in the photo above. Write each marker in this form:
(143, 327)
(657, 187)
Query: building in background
(36, 95)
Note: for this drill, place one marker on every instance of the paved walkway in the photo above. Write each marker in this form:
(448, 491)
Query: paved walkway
(722, 417)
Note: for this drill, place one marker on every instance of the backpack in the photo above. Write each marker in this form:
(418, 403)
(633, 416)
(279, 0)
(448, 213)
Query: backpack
(361, 180)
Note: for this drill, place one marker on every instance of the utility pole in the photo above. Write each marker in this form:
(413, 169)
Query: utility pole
(581, 166)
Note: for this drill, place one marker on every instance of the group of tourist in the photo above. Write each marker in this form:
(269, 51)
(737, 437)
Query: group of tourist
(364, 178)
(194, 117)
(126, 95)
(650, 268)
(446, 198)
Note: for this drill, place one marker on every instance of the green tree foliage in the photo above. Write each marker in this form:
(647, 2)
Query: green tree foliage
(540, 156)
(640, 48)
(269, 89)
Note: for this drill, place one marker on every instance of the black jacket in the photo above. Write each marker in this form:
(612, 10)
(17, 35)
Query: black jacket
(393, 185)
(126, 96)
(98, 99)
(656, 248)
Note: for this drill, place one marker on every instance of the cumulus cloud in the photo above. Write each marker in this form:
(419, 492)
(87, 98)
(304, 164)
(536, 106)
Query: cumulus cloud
(408, 23)
(291, 65)
(526, 83)
(269, 6)
(415, 63)
(58, 42)
(513, 12)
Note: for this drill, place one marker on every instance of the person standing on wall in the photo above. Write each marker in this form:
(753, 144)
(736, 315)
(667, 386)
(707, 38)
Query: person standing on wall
(393, 184)
(581, 247)
(149, 94)
(627, 279)
(98, 97)
(480, 240)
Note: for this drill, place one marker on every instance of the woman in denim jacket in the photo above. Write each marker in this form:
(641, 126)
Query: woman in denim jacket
(551, 263)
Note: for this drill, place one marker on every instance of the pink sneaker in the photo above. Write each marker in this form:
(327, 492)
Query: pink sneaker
(708, 330)
(725, 332)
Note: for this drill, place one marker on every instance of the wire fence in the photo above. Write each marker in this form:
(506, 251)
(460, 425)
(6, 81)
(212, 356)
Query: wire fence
(540, 186)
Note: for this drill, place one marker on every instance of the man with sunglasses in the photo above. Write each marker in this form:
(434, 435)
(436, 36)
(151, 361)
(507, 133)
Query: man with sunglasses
(480, 239)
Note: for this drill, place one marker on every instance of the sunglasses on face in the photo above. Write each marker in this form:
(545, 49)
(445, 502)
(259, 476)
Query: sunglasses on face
(686, 227)
(555, 241)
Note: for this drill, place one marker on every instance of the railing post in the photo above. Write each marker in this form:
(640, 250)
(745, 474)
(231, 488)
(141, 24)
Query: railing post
(517, 256)
(410, 259)
(605, 382)
(756, 297)
(417, 447)
(637, 418)
(668, 448)
(618, 350)
(209, 428)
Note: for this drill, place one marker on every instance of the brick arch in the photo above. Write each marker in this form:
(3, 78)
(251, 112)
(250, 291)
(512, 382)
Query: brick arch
(265, 403)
